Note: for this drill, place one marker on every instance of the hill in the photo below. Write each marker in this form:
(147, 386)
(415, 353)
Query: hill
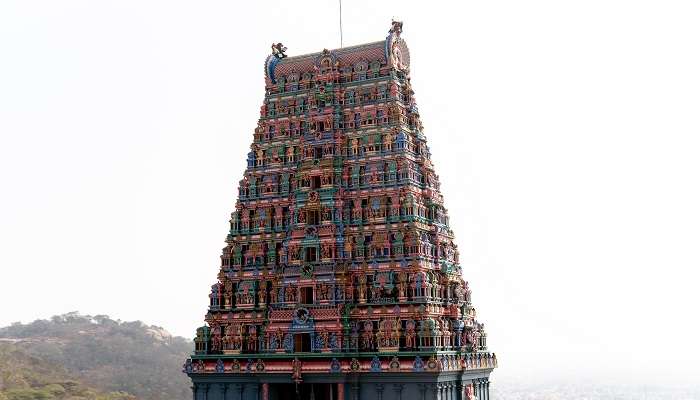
(82, 352)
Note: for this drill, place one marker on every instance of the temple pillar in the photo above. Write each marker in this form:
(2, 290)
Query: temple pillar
(460, 390)
(265, 395)
(341, 391)
(194, 391)
(240, 387)
(380, 391)
(422, 388)
(398, 389)
(355, 391)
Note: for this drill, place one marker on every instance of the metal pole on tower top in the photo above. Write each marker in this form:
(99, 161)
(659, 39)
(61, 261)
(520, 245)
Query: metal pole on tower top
(340, 16)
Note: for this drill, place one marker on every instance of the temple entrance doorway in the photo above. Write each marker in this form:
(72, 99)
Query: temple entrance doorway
(304, 391)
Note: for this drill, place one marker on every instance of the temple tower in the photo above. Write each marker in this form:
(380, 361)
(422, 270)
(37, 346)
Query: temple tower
(340, 279)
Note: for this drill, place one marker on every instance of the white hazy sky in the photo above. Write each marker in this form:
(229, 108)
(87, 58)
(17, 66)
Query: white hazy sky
(565, 134)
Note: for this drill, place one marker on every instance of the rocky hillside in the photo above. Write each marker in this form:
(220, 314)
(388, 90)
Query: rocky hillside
(75, 356)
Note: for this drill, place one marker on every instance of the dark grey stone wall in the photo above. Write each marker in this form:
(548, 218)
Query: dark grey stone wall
(363, 386)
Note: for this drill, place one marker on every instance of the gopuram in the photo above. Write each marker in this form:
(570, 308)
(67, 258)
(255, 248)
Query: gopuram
(340, 279)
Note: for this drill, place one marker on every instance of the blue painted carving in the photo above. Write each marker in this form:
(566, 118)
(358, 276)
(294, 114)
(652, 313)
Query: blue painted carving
(333, 342)
(288, 343)
(318, 343)
(335, 365)
(219, 366)
(302, 320)
(249, 365)
(187, 368)
(376, 365)
(270, 65)
(418, 365)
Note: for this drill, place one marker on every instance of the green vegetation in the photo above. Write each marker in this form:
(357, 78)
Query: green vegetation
(76, 357)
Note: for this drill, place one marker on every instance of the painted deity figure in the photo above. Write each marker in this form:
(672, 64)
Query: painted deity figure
(376, 292)
(278, 50)
(347, 247)
(279, 336)
(387, 142)
(296, 370)
(446, 334)
(252, 338)
(362, 280)
(245, 221)
(228, 293)
(389, 333)
(473, 340)
(324, 291)
(237, 337)
(289, 294)
(374, 177)
(403, 277)
(227, 340)
(293, 253)
(354, 326)
(381, 337)
(458, 292)
(357, 211)
(395, 333)
(261, 296)
(324, 338)
(216, 338)
(247, 296)
(349, 290)
(260, 157)
(368, 336)
(464, 339)
(325, 250)
(410, 334)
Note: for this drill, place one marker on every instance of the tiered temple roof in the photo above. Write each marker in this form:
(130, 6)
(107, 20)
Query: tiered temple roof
(340, 257)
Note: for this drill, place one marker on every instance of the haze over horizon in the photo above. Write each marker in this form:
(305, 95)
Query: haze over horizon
(565, 136)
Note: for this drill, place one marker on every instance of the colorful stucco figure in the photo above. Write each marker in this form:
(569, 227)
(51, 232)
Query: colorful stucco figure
(340, 278)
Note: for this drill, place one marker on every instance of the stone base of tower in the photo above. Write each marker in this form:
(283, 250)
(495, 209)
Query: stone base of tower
(327, 386)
